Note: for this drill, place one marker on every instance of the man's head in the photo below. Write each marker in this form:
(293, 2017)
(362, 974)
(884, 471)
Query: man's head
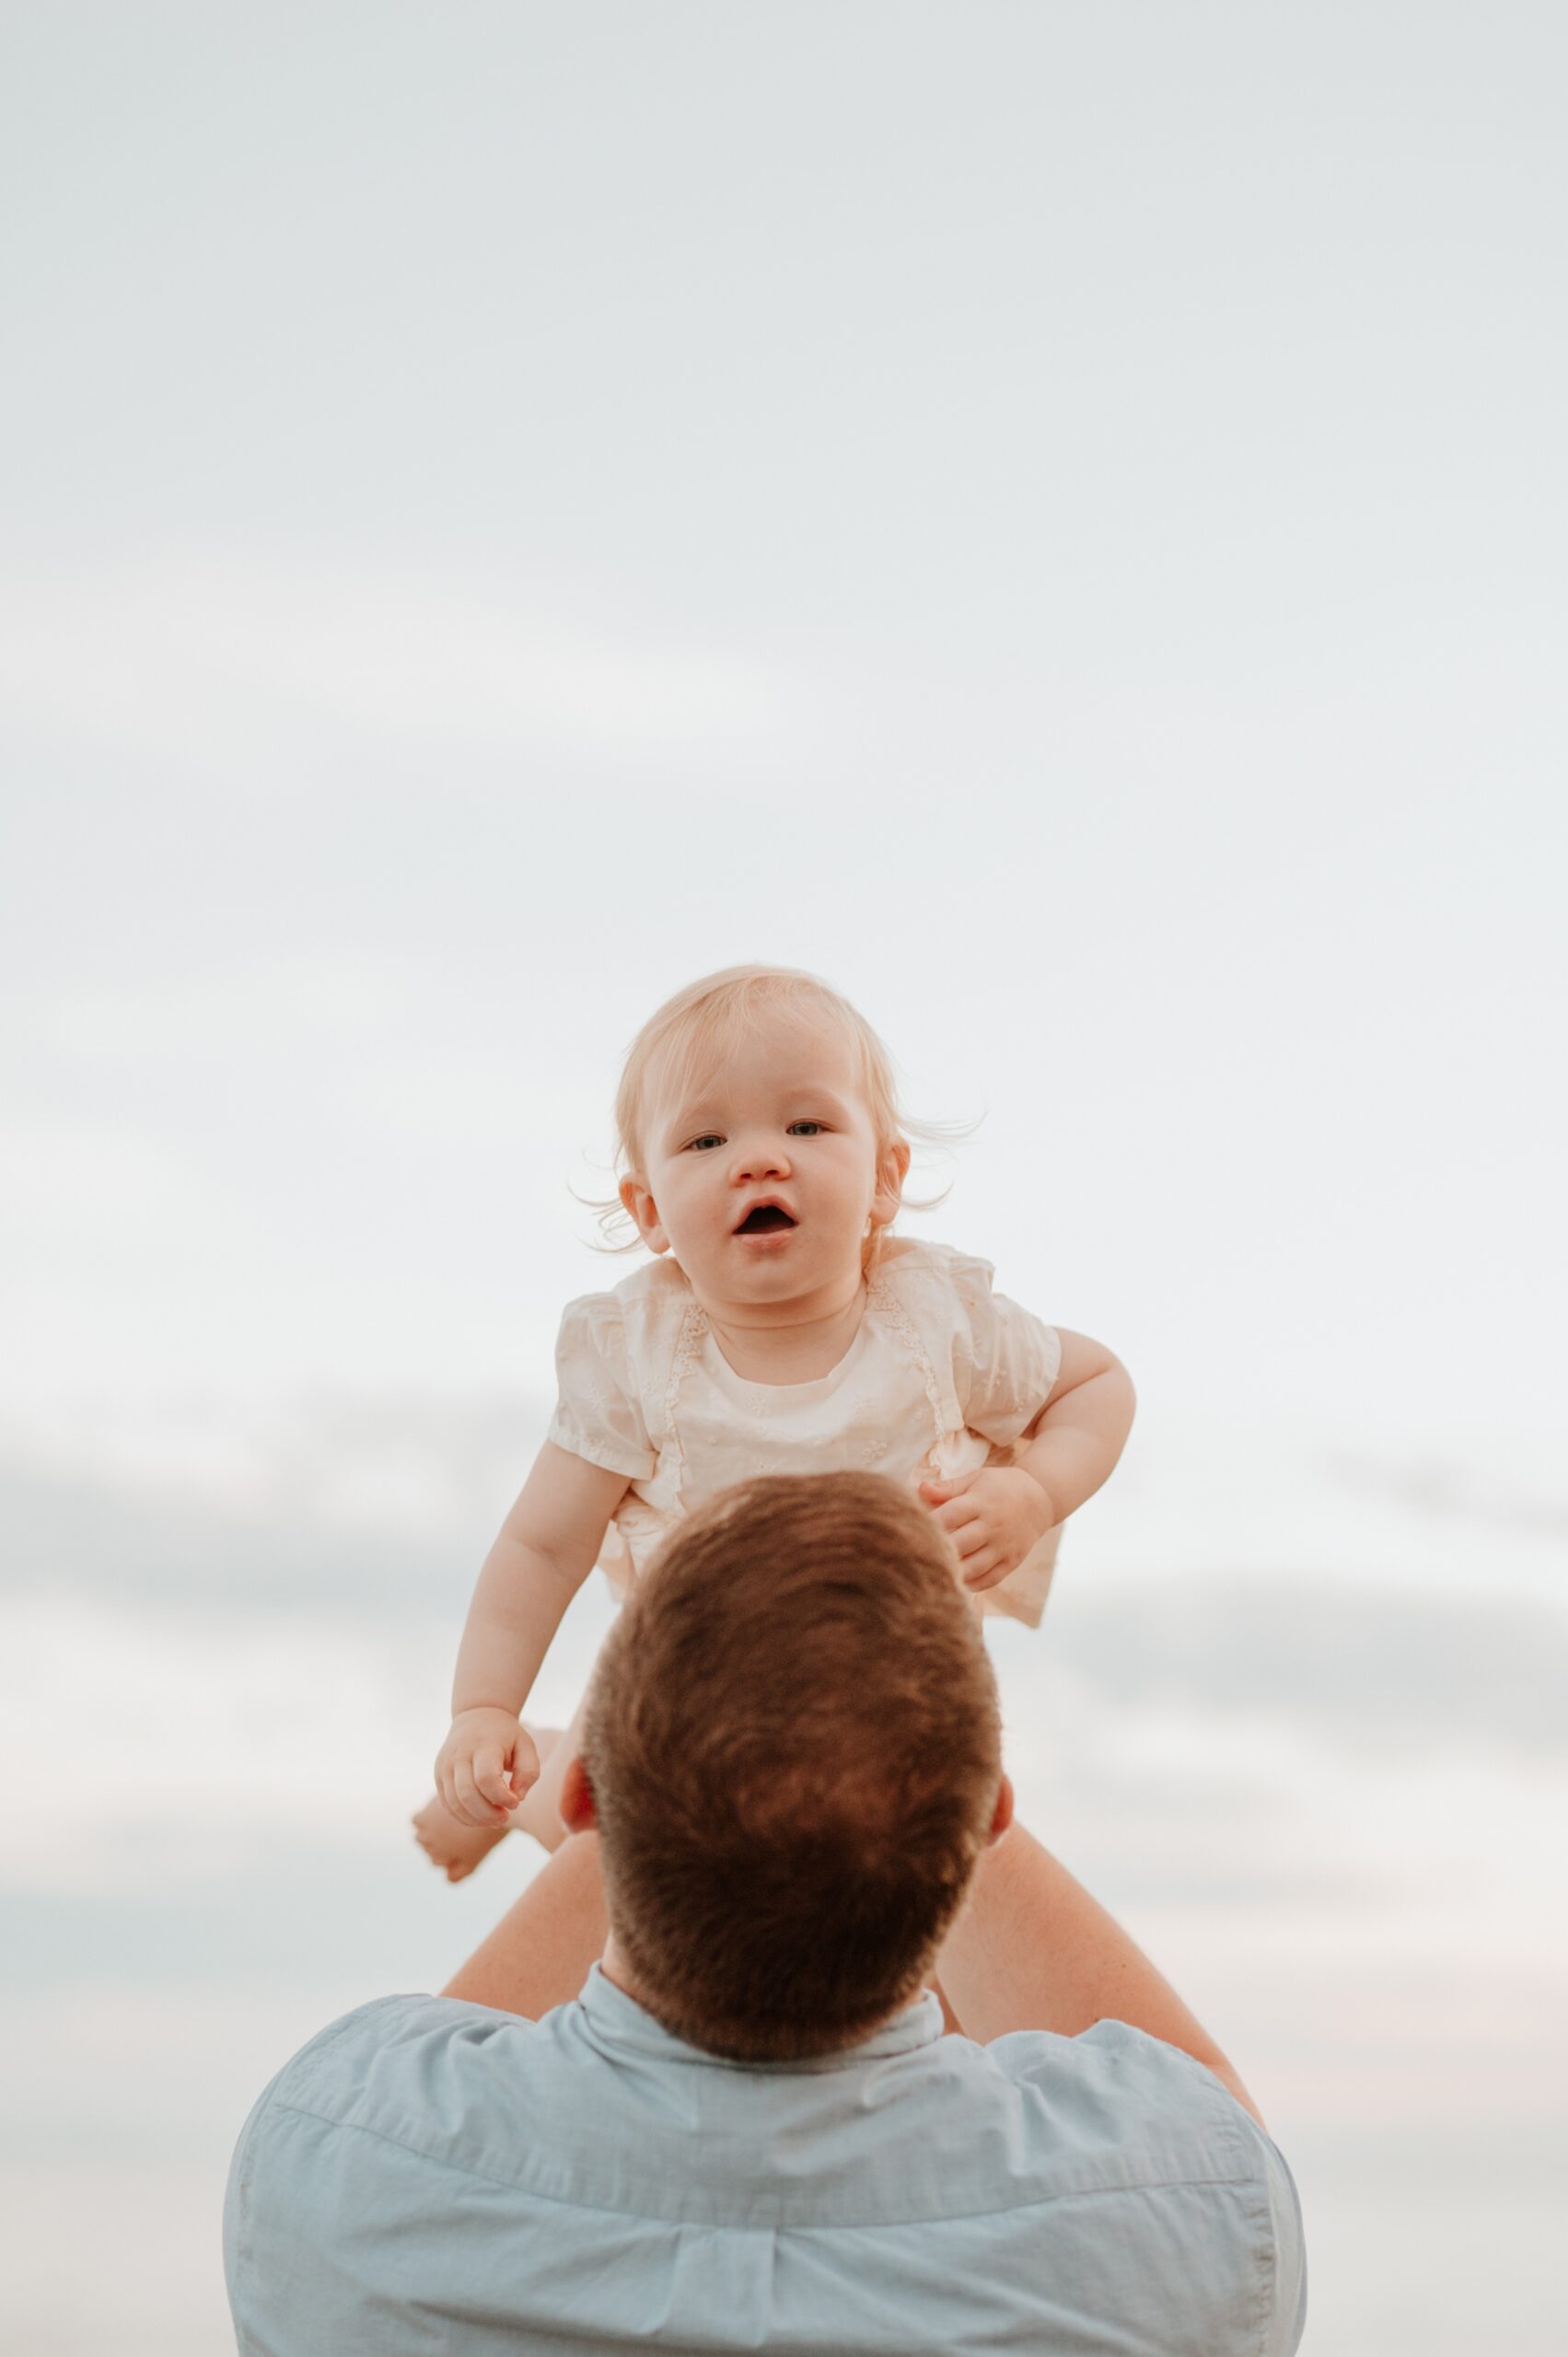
(792, 1756)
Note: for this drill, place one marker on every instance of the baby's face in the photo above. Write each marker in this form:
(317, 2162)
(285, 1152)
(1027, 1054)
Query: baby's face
(781, 1120)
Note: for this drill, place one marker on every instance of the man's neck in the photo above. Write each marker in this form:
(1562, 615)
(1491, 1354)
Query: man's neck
(614, 1966)
(616, 1969)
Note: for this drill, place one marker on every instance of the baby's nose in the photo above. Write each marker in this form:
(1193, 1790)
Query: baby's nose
(760, 1158)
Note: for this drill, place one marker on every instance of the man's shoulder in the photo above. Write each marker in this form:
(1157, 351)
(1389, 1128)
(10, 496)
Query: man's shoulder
(389, 2058)
(345, 2208)
(1093, 2096)
(1113, 2075)
(330, 2056)
(1139, 2126)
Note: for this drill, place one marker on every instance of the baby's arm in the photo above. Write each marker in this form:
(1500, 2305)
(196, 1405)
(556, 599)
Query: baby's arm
(1073, 1442)
(546, 1547)
(996, 1515)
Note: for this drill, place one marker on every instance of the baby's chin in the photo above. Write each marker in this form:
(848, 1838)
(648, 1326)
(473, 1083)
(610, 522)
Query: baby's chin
(770, 1268)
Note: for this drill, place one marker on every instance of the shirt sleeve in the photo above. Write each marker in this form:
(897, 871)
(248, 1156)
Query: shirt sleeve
(1287, 2314)
(1229, 2215)
(598, 1413)
(1005, 1360)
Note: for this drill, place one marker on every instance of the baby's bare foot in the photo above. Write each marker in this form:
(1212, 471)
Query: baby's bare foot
(449, 1844)
(458, 1847)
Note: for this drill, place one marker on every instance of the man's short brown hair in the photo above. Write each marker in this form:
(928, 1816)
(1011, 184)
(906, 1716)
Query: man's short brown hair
(795, 1748)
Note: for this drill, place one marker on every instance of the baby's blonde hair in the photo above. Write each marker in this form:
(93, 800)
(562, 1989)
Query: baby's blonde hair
(701, 1023)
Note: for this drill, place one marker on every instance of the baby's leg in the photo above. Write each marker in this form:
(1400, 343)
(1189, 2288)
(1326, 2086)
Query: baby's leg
(458, 1847)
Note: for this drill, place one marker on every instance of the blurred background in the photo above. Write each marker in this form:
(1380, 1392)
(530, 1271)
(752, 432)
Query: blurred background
(1051, 516)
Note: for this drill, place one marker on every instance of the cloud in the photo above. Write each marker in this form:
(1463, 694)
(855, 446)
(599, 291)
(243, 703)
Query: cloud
(1369, 1668)
(1442, 1487)
(325, 1507)
(180, 655)
(357, 1504)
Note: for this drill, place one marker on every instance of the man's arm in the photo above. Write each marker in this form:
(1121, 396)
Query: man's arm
(1032, 1950)
(538, 1954)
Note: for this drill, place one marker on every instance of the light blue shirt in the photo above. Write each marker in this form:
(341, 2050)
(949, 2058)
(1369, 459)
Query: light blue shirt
(428, 2177)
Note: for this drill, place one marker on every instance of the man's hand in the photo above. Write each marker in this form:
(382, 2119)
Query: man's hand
(993, 1517)
(485, 1765)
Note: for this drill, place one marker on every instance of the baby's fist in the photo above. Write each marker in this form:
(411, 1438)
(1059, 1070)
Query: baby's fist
(485, 1765)
(993, 1517)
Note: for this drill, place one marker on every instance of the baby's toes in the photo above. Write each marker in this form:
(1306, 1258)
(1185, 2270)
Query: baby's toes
(437, 1832)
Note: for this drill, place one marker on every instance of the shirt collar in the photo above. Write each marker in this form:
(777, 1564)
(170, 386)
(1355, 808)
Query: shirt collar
(617, 2020)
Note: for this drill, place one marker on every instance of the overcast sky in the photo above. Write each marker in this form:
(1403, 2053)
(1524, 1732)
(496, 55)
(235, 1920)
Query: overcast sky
(1051, 516)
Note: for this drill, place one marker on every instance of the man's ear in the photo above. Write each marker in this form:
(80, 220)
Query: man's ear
(645, 1211)
(576, 1802)
(1002, 1815)
(891, 1172)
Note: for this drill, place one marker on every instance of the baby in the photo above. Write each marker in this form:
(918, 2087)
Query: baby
(779, 1328)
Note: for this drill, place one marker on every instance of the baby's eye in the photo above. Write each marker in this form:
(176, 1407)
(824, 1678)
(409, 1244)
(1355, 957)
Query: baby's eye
(805, 1125)
(709, 1137)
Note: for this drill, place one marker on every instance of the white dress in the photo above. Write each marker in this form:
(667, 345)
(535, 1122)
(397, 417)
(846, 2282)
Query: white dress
(943, 1376)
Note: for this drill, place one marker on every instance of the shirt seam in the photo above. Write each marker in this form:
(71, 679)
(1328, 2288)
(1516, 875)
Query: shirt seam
(835, 2226)
(607, 1456)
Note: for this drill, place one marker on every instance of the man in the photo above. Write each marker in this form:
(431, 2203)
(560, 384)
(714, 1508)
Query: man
(743, 2127)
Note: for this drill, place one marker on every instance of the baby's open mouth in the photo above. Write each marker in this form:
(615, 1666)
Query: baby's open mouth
(765, 1216)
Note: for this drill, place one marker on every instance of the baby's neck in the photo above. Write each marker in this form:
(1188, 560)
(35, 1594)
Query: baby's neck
(801, 1341)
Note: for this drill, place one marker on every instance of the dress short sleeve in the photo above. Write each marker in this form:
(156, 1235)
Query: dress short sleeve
(598, 1413)
(1005, 1360)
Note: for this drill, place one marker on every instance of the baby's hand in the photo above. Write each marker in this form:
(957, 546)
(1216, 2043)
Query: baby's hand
(485, 1765)
(993, 1517)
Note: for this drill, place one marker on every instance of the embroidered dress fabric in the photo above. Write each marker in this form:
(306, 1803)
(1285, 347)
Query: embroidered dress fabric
(944, 1375)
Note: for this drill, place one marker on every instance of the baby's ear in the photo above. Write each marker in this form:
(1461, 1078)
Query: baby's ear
(635, 1198)
(891, 1172)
